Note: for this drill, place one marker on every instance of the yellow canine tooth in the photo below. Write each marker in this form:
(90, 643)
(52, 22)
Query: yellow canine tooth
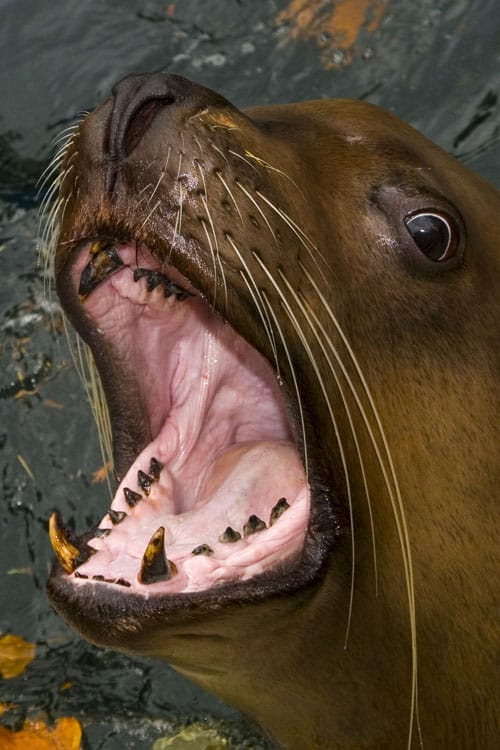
(155, 566)
(66, 553)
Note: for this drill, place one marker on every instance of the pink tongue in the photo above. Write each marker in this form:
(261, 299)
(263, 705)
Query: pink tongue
(241, 481)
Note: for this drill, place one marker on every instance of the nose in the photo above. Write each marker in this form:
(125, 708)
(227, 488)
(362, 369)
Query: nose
(140, 96)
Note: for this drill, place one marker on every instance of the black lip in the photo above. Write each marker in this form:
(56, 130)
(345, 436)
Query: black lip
(90, 608)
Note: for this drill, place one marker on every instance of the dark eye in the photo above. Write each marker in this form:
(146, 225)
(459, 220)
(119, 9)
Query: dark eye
(436, 235)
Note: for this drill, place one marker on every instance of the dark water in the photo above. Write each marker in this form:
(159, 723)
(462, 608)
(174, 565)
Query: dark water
(436, 63)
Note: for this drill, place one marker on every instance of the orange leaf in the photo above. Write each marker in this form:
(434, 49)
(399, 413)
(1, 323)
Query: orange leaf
(15, 655)
(35, 735)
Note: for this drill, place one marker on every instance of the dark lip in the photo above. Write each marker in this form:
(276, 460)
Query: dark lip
(91, 608)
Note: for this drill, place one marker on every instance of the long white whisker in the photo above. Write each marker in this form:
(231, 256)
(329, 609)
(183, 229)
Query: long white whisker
(216, 148)
(258, 301)
(252, 199)
(204, 200)
(311, 249)
(240, 156)
(221, 178)
(270, 168)
(151, 212)
(393, 491)
(294, 378)
(313, 324)
(319, 378)
(162, 175)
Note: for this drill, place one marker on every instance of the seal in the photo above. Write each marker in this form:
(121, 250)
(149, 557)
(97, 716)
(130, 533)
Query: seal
(293, 311)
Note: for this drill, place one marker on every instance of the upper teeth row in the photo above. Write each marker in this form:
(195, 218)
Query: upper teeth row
(105, 260)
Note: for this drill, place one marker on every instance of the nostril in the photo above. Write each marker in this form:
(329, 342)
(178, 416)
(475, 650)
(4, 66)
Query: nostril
(137, 99)
(140, 121)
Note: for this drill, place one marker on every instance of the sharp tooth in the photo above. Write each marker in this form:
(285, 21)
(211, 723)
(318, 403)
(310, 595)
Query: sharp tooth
(155, 278)
(155, 468)
(155, 566)
(145, 482)
(98, 578)
(131, 497)
(116, 516)
(141, 273)
(169, 288)
(182, 294)
(230, 535)
(102, 533)
(203, 549)
(278, 510)
(80, 575)
(103, 262)
(253, 524)
(65, 545)
(122, 582)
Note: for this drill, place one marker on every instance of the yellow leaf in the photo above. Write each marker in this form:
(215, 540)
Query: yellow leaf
(35, 735)
(15, 655)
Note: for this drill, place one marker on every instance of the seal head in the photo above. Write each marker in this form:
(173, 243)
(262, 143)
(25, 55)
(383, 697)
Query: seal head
(294, 315)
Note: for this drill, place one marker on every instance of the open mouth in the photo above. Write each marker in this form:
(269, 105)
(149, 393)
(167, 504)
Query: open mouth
(212, 487)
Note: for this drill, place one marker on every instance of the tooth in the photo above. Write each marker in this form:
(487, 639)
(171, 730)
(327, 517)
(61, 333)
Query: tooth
(80, 575)
(155, 278)
(65, 543)
(116, 516)
(230, 535)
(181, 294)
(155, 566)
(98, 578)
(155, 468)
(131, 497)
(169, 288)
(103, 262)
(253, 524)
(141, 273)
(145, 482)
(102, 533)
(278, 510)
(122, 582)
(202, 549)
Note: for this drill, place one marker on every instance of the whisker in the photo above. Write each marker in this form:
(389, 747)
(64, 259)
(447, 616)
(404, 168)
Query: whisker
(220, 152)
(83, 360)
(303, 238)
(252, 199)
(258, 301)
(229, 192)
(393, 488)
(313, 324)
(151, 212)
(212, 253)
(204, 200)
(270, 168)
(240, 156)
(305, 344)
(161, 176)
(294, 378)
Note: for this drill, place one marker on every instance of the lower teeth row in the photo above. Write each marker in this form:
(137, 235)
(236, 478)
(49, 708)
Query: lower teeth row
(155, 565)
